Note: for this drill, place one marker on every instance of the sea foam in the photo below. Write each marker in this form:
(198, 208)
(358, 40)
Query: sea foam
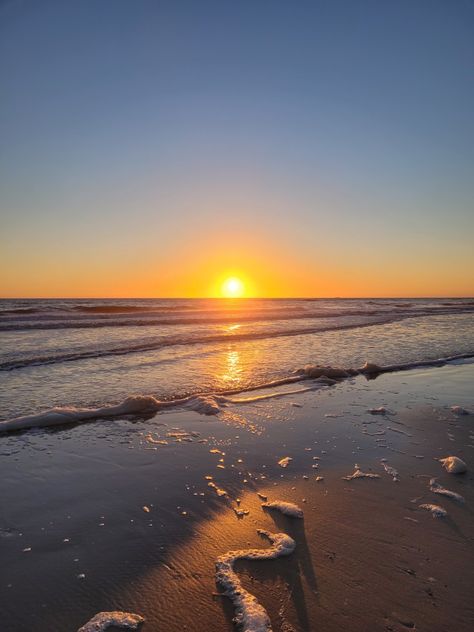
(358, 473)
(436, 510)
(250, 615)
(439, 489)
(289, 509)
(318, 371)
(56, 416)
(104, 620)
(390, 470)
(312, 371)
(459, 410)
(133, 405)
(453, 465)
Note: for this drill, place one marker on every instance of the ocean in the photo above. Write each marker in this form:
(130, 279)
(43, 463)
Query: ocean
(94, 352)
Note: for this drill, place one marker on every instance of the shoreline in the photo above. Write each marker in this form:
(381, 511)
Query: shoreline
(357, 560)
(209, 403)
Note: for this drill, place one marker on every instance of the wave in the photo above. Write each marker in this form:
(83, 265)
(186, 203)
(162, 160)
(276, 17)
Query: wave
(135, 405)
(152, 345)
(371, 369)
(152, 318)
(91, 317)
(125, 309)
(112, 309)
(21, 310)
(61, 312)
(213, 403)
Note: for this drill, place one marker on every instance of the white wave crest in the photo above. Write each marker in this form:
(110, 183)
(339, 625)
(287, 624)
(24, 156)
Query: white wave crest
(133, 405)
(372, 369)
(205, 404)
(67, 415)
(317, 371)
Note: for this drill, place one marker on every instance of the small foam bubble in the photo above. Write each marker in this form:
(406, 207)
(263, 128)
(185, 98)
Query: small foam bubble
(390, 470)
(439, 489)
(381, 410)
(453, 465)
(436, 510)
(219, 491)
(459, 410)
(288, 509)
(359, 474)
(240, 513)
(370, 367)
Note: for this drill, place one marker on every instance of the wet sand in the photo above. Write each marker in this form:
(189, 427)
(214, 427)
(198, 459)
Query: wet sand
(75, 538)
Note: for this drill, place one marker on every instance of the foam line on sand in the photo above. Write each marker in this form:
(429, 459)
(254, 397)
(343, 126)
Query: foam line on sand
(250, 615)
(104, 620)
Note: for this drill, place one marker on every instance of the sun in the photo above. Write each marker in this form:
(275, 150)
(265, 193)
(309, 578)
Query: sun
(232, 288)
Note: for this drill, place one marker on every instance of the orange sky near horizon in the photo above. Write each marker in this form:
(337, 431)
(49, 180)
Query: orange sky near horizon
(266, 271)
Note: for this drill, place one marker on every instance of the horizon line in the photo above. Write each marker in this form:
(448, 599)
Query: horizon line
(222, 298)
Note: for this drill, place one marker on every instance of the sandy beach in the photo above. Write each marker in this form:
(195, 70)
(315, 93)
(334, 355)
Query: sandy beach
(119, 514)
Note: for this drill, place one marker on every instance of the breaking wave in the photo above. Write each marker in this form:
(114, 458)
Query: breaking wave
(212, 403)
(135, 405)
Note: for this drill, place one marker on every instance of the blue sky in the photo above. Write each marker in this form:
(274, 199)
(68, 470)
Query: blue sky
(138, 134)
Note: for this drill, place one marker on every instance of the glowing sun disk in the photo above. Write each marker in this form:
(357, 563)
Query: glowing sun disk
(233, 288)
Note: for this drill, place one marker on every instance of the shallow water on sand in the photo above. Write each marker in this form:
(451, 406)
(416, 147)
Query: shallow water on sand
(366, 557)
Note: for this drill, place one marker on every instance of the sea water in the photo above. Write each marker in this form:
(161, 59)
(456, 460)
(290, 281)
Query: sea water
(92, 353)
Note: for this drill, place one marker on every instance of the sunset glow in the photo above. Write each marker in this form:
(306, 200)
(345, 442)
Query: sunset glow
(233, 288)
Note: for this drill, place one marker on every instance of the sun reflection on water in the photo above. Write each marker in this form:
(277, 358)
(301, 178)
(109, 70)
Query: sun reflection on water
(232, 367)
(233, 327)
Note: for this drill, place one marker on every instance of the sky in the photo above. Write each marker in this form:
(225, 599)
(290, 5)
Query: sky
(308, 148)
